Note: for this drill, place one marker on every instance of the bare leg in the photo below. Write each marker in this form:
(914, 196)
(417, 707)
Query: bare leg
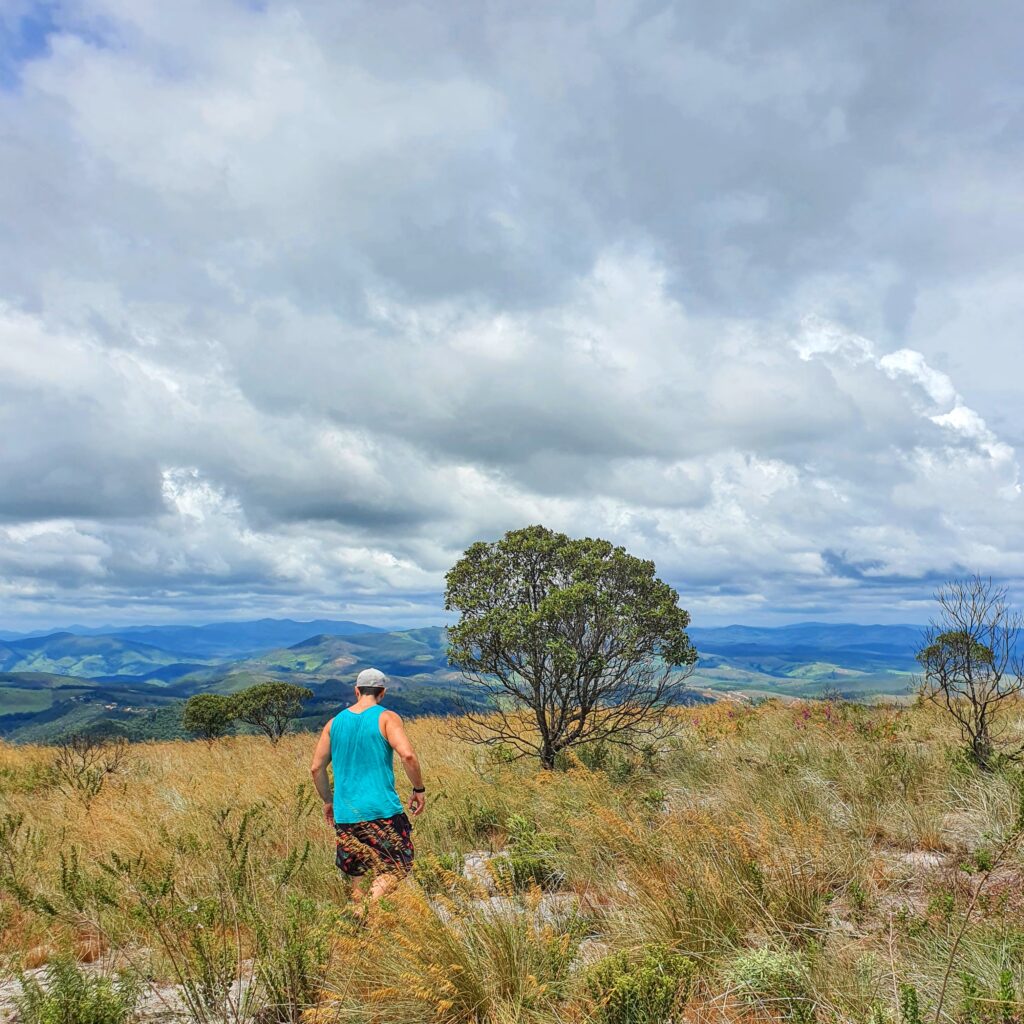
(382, 885)
(359, 897)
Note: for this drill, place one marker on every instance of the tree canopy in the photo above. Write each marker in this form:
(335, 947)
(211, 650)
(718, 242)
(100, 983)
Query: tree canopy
(209, 715)
(577, 633)
(270, 707)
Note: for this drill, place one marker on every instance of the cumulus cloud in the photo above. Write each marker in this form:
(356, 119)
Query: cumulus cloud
(299, 301)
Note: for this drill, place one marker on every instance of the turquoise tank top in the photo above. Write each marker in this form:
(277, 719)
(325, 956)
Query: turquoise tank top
(363, 762)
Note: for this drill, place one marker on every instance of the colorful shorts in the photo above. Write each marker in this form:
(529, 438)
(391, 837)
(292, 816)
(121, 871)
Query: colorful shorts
(384, 844)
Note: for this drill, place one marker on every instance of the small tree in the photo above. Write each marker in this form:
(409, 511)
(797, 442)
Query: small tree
(209, 715)
(574, 641)
(971, 664)
(270, 707)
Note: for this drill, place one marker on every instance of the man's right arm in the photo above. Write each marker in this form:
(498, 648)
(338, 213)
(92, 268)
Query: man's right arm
(321, 759)
(394, 733)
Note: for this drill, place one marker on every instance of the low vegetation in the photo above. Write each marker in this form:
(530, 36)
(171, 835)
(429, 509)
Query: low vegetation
(809, 861)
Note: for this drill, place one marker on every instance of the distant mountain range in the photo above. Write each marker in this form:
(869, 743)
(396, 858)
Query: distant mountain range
(132, 680)
(808, 658)
(218, 639)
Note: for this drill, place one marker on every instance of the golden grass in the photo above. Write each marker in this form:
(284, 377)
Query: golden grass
(836, 832)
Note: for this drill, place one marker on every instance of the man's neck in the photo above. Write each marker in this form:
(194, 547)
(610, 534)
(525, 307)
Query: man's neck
(365, 702)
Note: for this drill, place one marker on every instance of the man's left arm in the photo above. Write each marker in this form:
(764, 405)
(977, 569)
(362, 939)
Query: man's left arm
(394, 733)
(321, 759)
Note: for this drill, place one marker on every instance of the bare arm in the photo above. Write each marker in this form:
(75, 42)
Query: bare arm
(321, 759)
(394, 733)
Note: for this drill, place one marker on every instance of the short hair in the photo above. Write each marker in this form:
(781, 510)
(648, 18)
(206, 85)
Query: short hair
(370, 691)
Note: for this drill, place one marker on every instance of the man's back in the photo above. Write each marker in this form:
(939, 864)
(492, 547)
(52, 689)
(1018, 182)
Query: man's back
(364, 775)
(373, 832)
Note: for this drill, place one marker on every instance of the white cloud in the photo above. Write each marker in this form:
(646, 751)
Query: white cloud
(297, 303)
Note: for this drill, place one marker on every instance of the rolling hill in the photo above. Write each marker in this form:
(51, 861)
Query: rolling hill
(805, 659)
(61, 682)
(87, 657)
(39, 705)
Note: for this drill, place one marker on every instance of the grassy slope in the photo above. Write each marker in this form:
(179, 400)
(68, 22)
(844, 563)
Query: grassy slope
(849, 839)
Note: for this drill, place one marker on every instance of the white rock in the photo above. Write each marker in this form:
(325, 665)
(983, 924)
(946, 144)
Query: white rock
(589, 952)
(921, 859)
(476, 868)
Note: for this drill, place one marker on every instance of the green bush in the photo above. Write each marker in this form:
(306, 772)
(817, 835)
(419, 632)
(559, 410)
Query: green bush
(529, 860)
(209, 715)
(777, 978)
(436, 873)
(71, 996)
(982, 1004)
(613, 761)
(647, 991)
(482, 821)
(293, 954)
(910, 1005)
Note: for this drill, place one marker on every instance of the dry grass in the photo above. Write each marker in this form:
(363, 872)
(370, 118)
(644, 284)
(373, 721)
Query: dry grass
(849, 839)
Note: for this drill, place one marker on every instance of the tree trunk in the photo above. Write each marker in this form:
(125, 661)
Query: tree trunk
(981, 751)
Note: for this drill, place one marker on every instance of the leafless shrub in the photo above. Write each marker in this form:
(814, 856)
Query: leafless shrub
(83, 764)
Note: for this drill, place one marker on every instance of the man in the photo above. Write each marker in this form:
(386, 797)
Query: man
(371, 827)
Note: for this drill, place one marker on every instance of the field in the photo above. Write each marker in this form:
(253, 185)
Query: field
(801, 861)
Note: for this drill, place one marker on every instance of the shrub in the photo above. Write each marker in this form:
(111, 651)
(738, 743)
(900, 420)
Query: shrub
(84, 762)
(777, 977)
(71, 996)
(293, 953)
(643, 992)
(910, 1005)
(437, 873)
(482, 821)
(529, 858)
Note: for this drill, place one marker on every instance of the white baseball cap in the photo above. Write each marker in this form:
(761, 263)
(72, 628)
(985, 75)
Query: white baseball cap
(371, 677)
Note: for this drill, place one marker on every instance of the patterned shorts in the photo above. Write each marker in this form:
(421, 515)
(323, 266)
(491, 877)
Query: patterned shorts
(384, 844)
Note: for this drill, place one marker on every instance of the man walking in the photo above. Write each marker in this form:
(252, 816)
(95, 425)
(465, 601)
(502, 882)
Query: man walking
(371, 827)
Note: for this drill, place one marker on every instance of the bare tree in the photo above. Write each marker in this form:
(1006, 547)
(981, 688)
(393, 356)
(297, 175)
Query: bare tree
(972, 664)
(568, 640)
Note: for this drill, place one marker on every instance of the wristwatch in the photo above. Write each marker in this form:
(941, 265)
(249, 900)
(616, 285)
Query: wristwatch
(422, 789)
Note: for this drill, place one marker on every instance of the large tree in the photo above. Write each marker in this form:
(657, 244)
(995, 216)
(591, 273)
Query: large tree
(574, 640)
(270, 707)
(972, 665)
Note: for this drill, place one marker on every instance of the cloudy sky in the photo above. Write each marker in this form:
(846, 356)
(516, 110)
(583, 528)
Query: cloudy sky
(299, 299)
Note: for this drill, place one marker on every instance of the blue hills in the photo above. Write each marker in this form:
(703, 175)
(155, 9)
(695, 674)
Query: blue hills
(217, 639)
(131, 680)
(808, 658)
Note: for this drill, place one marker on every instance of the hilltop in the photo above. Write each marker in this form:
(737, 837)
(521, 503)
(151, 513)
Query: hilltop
(809, 862)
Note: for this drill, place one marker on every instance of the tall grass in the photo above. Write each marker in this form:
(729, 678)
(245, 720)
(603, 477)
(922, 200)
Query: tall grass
(825, 851)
